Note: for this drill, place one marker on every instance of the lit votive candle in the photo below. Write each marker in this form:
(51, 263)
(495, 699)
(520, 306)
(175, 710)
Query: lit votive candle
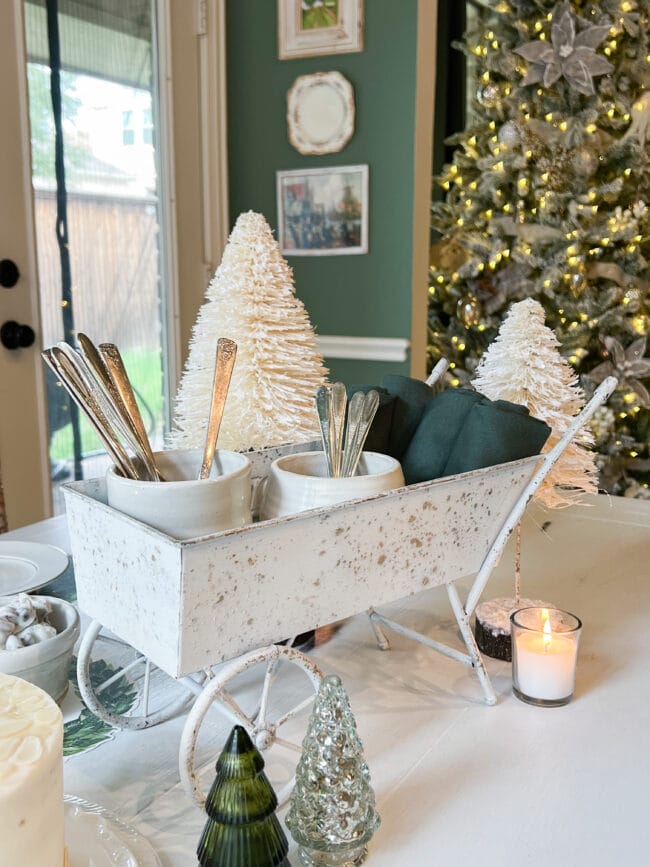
(544, 655)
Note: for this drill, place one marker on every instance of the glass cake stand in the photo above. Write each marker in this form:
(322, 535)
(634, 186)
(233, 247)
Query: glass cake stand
(95, 836)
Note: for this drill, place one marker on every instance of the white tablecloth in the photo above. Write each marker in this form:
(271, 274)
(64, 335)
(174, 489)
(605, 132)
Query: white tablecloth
(458, 782)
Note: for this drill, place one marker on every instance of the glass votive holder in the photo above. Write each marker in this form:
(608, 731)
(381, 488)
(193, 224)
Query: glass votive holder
(544, 654)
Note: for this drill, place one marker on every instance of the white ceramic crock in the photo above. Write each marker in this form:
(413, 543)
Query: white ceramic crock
(47, 663)
(185, 507)
(300, 481)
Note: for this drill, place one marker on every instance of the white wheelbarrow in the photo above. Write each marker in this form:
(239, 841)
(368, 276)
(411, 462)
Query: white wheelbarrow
(184, 608)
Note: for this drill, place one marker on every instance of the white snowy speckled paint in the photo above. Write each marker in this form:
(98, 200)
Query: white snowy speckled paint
(186, 605)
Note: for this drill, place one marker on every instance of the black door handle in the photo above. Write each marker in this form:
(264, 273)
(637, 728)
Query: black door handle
(9, 273)
(14, 336)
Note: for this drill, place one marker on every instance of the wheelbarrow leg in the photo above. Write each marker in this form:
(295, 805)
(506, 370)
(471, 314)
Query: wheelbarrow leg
(380, 636)
(462, 618)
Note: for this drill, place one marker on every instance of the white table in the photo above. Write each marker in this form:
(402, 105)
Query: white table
(458, 782)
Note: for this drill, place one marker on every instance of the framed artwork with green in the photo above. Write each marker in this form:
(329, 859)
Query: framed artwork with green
(308, 28)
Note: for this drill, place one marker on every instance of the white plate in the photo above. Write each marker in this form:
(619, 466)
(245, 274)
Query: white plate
(96, 837)
(26, 566)
(320, 113)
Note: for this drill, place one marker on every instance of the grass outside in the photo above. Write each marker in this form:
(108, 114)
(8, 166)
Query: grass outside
(145, 372)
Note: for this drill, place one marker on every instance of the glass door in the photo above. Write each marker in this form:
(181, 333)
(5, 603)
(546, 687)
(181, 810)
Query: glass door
(99, 220)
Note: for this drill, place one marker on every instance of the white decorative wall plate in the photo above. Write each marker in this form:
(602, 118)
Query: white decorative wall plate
(320, 113)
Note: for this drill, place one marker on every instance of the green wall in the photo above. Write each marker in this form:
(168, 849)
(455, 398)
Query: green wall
(361, 295)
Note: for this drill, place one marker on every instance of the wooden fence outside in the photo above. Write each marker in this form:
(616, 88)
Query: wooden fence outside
(114, 263)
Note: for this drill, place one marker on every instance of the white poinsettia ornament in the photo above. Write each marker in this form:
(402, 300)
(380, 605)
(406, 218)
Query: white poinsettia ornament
(569, 54)
(629, 365)
(523, 365)
(252, 300)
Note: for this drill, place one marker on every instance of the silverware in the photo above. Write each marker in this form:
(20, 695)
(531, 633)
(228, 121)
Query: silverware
(366, 409)
(355, 410)
(103, 400)
(97, 365)
(324, 410)
(225, 361)
(76, 388)
(337, 420)
(110, 359)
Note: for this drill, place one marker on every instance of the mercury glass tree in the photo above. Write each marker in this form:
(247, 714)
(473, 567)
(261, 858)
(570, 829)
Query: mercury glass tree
(332, 813)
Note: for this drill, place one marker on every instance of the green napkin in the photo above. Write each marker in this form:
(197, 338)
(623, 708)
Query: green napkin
(494, 433)
(411, 397)
(379, 433)
(461, 430)
(442, 419)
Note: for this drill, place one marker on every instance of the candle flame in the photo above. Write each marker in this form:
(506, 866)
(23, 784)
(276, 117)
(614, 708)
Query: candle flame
(547, 628)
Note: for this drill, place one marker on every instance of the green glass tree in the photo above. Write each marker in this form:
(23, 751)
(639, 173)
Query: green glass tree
(332, 813)
(548, 196)
(242, 829)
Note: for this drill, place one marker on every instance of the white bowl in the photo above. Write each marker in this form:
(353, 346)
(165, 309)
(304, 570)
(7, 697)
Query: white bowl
(47, 663)
(185, 506)
(300, 481)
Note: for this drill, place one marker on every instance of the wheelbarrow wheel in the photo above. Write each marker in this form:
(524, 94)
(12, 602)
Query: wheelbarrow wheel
(105, 662)
(266, 719)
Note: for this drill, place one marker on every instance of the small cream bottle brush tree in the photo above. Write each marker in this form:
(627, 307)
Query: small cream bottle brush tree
(523, 365)
(252, 300)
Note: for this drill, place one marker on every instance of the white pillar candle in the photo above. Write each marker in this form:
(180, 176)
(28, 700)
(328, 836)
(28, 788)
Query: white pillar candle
(546, 671)
(544, 661)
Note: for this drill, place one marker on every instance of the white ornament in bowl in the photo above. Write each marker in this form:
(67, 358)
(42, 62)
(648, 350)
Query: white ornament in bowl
(46, 663)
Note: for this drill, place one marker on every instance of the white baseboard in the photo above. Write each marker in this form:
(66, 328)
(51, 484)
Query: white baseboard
(364, 348)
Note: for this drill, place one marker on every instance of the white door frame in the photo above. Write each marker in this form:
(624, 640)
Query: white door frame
(200, 179)
(24, 461)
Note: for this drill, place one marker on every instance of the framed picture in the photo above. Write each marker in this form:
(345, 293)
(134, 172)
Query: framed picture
(307, 28)
(323, 212)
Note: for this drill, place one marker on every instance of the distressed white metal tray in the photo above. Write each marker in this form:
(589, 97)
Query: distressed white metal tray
(189, 604)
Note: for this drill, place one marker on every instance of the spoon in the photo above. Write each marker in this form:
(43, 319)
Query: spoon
(103, 402)
(355, 410)
(337, 420)
(75, 387)
(111, 357)
(225, 361)
(98, 368)
(324, 410)
(369, 408)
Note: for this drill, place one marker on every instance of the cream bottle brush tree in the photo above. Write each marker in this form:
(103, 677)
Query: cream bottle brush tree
(523, 365)
(252, 300)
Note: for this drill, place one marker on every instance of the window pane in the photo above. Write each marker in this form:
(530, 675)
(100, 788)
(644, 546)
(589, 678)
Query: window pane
(113, 201)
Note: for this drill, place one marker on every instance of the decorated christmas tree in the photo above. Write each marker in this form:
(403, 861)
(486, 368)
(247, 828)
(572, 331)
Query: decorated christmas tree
(547, 197)
(242, 829)
(332, 812)
(252, 301)
(523, 365)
